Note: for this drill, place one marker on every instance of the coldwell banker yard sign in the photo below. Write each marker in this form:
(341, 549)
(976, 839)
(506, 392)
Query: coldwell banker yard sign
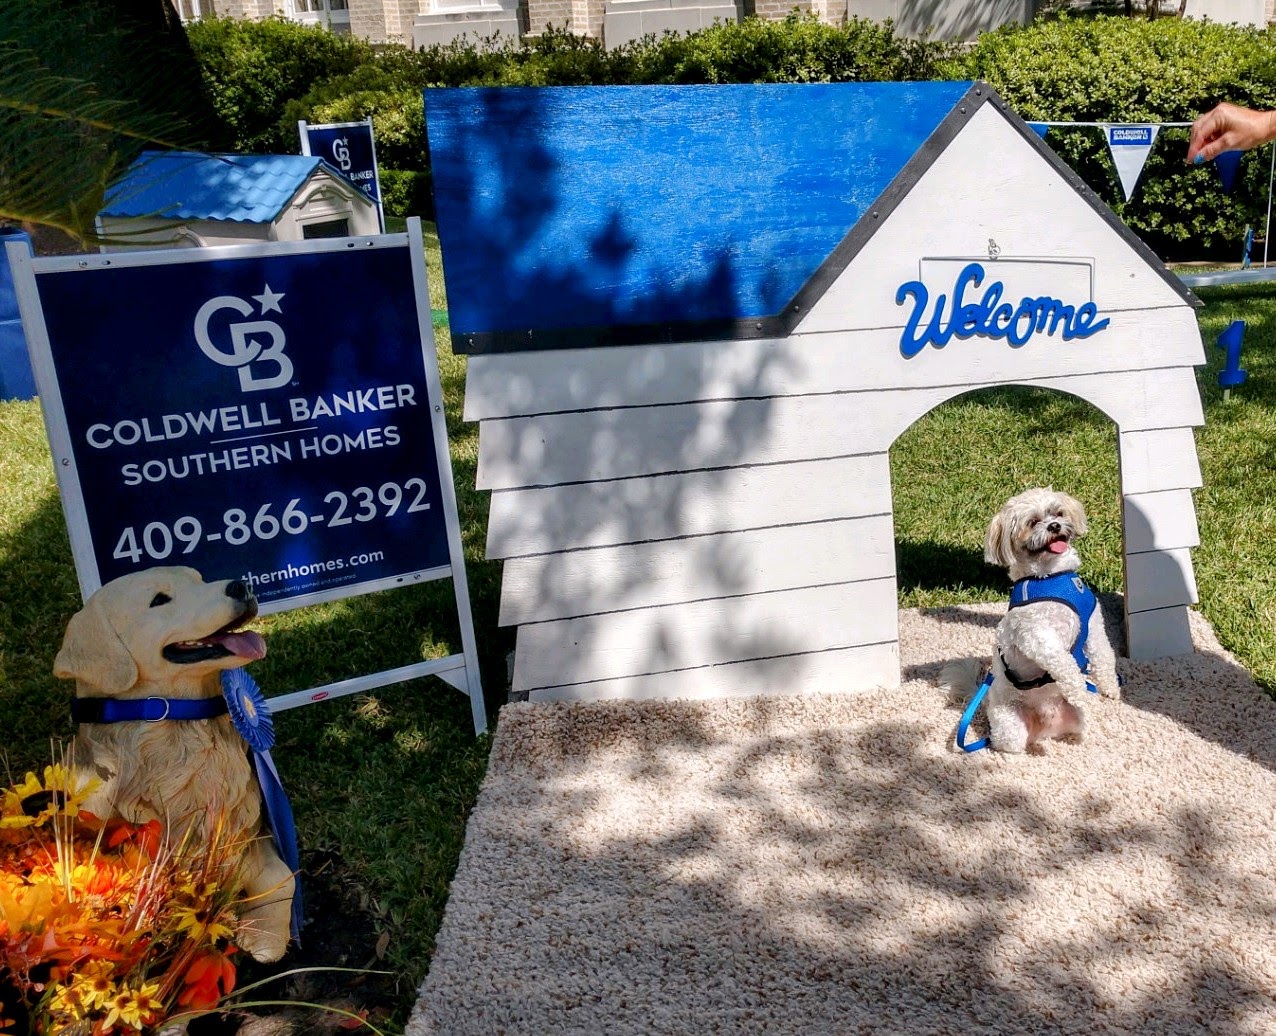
(350, 148)
(266, 416)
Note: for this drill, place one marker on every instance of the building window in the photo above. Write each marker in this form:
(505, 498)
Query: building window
(194, 10)
(331, 14)
(328, 228)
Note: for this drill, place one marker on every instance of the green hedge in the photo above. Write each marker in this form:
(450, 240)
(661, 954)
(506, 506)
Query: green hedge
(797, 49)
(394, 105)
(1122, 70)
(267, 75)
(406, 192)
(253, 69)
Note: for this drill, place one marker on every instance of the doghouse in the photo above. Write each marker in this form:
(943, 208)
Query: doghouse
(698, 317)
(191, 199)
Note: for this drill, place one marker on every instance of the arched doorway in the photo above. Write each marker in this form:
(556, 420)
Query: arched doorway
(954, 467)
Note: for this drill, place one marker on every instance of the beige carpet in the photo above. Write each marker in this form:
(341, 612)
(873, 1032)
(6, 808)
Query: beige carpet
(830, 864)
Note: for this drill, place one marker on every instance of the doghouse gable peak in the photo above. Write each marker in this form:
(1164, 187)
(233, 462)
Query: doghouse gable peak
(796, 273)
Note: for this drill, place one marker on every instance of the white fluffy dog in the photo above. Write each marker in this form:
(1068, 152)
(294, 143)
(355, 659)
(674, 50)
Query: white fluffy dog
(1053, 626)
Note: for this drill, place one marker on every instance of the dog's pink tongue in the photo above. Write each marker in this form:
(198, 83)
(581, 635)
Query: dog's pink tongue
(1058, 547)
(245, 644)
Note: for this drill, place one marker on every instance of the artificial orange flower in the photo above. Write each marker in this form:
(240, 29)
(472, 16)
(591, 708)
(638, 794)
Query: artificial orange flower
(210, 977)
(145, 836)
(105, 926)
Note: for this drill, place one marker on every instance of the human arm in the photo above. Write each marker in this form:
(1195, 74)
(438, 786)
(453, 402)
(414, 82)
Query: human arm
(1229, 127)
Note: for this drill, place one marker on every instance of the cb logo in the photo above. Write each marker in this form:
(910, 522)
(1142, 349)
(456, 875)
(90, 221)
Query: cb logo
(256, 347)
(341, 152)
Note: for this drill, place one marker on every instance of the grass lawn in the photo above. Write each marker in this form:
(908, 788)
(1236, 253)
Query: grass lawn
(383, 782)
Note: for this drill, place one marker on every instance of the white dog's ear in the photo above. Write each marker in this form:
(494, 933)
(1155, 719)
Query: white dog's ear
(996, 545)
(92, 653)
(1075, 513)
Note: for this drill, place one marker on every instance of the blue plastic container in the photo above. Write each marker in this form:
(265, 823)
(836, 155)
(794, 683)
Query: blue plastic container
(16, 379)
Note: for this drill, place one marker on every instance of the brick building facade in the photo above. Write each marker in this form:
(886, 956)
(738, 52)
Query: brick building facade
(424, 22)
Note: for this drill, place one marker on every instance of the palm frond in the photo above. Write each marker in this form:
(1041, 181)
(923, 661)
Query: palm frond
(85, 87)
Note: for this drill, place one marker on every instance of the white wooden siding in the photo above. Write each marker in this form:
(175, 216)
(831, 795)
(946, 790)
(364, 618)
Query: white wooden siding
(593, 445)
(1159, 459)
(702, 633)
(1160, 521)
(639, 575)
(824, 672)
(596, 514)
(610, 444)
(1158, 579)
(1158, 634)
(868, 359)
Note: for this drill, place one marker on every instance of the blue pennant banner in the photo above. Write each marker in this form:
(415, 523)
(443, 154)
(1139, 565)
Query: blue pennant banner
(1228, 164)
(1130, 145)
(1040, 128)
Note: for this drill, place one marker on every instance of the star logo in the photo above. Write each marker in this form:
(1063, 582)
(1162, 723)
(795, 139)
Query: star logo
(254, 345)
(269, 300)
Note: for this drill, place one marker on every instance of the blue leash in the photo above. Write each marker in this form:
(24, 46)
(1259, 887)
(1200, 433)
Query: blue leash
(972, 707)
(968, 716)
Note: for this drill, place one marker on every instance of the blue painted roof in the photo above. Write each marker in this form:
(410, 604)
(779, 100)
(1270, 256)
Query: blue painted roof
(194, 185)
(665, 210)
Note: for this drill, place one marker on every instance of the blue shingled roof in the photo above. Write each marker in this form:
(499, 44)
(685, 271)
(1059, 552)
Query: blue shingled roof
(194, 185)
(585, 215)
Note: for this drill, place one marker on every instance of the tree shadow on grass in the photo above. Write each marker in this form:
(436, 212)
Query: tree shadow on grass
(38, 595)
(926, 565)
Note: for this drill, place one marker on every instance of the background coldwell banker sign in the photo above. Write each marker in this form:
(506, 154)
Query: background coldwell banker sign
(349, 147)
(263, 416)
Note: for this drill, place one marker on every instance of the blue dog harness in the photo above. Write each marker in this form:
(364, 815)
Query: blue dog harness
(1063, 588)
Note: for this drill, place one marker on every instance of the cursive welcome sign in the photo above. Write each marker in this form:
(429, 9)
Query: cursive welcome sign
(989, 317)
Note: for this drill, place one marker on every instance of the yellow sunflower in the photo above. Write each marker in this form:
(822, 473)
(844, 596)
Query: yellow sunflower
(33, 802)
(135, 1008)
(93, 985)
(204, 921)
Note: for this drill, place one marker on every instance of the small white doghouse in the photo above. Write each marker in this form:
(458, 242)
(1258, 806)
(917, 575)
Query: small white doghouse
(191, 199)
(697, 319)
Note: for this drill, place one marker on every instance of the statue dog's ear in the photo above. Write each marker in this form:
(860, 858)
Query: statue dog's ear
(93, 654)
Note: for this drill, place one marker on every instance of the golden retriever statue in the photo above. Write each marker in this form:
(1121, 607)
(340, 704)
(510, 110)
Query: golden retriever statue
(165, 634)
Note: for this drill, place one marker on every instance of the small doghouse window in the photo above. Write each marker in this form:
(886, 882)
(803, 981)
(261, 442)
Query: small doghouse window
(328, 228)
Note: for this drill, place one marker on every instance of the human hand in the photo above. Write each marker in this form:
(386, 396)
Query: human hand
(1229, 127)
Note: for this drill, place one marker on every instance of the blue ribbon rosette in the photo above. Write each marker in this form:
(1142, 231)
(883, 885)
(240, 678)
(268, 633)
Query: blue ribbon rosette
(251, 715)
